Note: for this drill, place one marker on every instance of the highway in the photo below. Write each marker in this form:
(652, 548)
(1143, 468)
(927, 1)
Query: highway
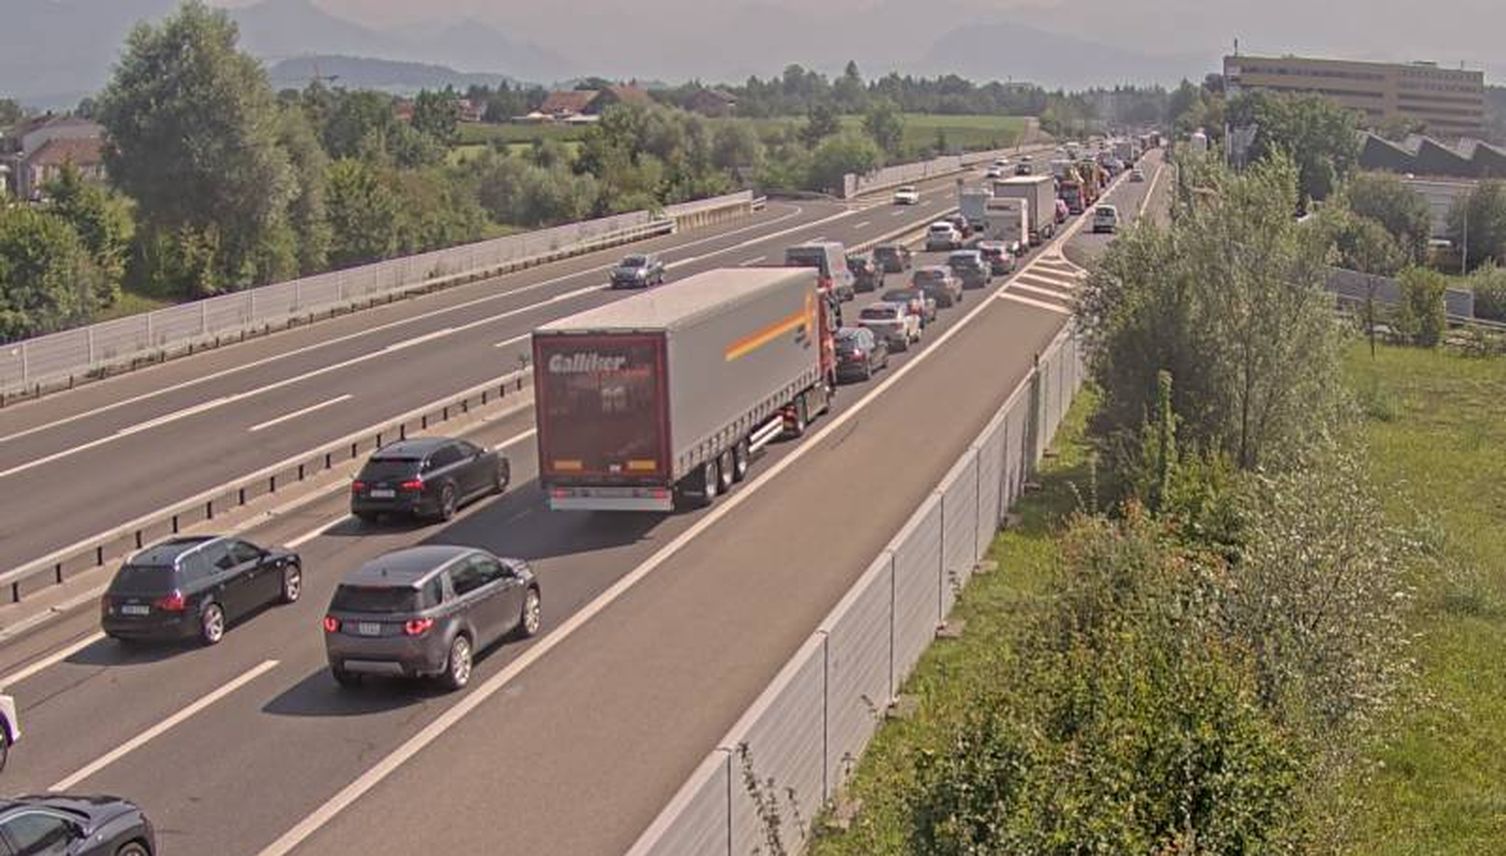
(659, 630)
(106, 453)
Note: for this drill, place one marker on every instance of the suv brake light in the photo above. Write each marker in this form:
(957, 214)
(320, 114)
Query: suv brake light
(412, 484)
(357, 486)
(417, 626)
(331, 624)
(174, 602)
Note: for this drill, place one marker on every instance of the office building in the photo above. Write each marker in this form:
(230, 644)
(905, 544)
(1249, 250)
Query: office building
(1451, 102)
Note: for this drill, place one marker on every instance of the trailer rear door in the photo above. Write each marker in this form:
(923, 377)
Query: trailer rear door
(603, 409)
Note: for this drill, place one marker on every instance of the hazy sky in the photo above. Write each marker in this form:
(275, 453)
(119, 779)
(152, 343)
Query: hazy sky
(1447, 31)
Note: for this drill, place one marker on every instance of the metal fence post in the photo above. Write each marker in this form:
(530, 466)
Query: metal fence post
(25, 368)
(90, 330)
(203, 316)
(150, 337)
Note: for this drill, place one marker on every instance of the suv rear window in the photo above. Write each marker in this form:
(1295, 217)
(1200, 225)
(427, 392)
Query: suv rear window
(880, 313)
(379, 469)
(375, 599)
(144, 578)
(930, 276)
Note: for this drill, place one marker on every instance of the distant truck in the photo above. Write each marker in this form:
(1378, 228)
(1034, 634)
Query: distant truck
(1008, 220)
(1039, 191)
(1125, 150)
(662, 400)
(972, 204)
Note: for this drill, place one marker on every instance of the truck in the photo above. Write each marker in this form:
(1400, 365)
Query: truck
(1125, 150)
(662, 400)
(971, 203)
(1008, 220)
(1039, 191)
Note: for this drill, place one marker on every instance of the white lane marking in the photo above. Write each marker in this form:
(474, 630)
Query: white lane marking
(513, 341)
(417, 340)
(900, 213)
(795, 211)
(1150, 190)
(1044, 292)
(322, 528)
(162, 727)
(1038, 304)
(686, 261)
(861, 225)
(753, 261)
(297, 413)
(123, 432)
(50, 660)
(479, 694)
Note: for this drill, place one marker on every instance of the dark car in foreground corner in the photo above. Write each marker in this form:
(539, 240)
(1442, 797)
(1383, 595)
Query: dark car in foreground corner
(195, 586)
(426, 477)
(867, 274)
(860, 353)
(970, 268)
(74, 826)
(894, 257)
(638, 271)
(426, 612)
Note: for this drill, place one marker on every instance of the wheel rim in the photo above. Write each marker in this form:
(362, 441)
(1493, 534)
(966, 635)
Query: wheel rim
(447, 501)
(292, 584)
(711, 477)
(460, 661)
(740, 460)
(725, 469)
(214, 623)
(532, 613)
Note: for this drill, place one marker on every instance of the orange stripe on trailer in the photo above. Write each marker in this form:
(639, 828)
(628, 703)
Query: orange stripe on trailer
(568, 466)
(642, 465)
(795, 320)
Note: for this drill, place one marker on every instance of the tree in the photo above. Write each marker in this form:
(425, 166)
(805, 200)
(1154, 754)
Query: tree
(1320, 136)
(437, 115)
(883, 123)
(47, 279)
(102, 222)
(735, 145)
(1232, 302)
(307, 214)
(1421, 316)
(1488, 281)
(839, 155)
(848, 90)
(363, 214)
(1484, 212)
(193, 139)
(821, 121)
(10, 112)
(1362, 243)
(1402, 211)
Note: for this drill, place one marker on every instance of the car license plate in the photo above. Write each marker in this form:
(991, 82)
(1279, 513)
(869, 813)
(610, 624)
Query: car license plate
(368, 628)
(381, 493)
(135, 609)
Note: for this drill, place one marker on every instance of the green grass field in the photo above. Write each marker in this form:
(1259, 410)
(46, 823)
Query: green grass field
(948, 677)
(1436, 428)
(968, 132)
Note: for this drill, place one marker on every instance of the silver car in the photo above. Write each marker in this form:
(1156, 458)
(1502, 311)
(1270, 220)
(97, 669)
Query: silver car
(893, 321)
(426, 611)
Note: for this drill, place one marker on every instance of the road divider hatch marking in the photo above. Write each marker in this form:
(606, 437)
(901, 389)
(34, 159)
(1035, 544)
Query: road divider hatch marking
(1038, 304)
(162, 727)
(297, 413)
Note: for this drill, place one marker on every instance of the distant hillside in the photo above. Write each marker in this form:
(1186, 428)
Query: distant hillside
(364, 73)
(1001, 51)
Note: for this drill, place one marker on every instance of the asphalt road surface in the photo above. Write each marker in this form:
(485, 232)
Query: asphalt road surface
(659, 630)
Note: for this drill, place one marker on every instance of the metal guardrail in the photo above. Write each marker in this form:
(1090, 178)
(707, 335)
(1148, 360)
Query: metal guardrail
(808, 728)
(93, 552)
(64, 358)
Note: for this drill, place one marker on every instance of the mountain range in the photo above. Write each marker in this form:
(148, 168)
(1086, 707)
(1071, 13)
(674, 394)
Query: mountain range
(299, 40)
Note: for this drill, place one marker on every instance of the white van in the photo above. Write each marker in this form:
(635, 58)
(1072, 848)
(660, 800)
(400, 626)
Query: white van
(1105, 219)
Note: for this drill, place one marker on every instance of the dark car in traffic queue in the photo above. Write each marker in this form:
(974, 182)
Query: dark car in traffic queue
(427, 611)
(428, 477)
(867, 274)
(67, 825)
(969, 268)
(640, 270)
(917, 300)
(999, 256)
(938, 282)
(196, 586)
(860, 353)
(896, 258)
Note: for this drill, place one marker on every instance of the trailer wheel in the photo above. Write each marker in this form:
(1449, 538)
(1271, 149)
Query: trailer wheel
(740, 461)
(711, 479)
(725, 468)
(801, 418)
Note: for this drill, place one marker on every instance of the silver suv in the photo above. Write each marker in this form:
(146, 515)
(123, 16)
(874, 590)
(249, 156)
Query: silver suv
(425, 612)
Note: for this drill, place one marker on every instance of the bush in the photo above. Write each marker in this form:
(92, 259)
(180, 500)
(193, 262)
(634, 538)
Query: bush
(1421, 316)
(1489, 284)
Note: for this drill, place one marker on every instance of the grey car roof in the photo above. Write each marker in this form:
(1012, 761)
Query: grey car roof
(406, 567)
(680, 303)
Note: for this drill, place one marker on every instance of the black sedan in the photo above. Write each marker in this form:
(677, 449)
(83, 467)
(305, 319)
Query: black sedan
(860, 353)
(427, 477)
(74, 826)
(638, 271)
(195, 586)
(867, 275)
